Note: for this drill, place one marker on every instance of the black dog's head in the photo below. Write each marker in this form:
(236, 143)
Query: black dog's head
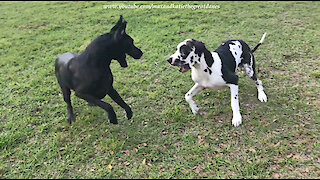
(124, 44)
(187, 54)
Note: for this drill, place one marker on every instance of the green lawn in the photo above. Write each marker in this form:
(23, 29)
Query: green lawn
(277, 139)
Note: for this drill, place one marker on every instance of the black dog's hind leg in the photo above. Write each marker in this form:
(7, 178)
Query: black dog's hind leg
(66, 96)
(117, 98)
(97, 102)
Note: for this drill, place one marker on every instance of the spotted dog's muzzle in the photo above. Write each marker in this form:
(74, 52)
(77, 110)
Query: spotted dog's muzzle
(177, 62)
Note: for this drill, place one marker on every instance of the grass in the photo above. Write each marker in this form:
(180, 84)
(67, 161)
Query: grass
(278, 139)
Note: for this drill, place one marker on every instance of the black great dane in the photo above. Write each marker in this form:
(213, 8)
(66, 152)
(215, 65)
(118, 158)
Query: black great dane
(89, 73)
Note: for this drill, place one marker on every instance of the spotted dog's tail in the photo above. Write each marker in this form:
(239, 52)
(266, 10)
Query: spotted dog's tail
(255, 48)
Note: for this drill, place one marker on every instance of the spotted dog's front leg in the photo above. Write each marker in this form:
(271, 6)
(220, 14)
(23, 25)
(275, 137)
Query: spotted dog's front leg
(196, 89)
(236, 120)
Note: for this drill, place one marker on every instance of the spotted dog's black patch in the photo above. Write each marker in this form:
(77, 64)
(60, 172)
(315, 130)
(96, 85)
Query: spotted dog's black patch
(199, 49)
(228, 63)
(245, 56)
(208, 69)
(185, 51)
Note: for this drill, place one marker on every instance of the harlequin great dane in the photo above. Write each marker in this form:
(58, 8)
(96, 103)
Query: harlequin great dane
(217, 70)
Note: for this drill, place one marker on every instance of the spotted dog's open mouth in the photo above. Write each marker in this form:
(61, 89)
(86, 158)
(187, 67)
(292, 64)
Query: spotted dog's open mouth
(184, 68)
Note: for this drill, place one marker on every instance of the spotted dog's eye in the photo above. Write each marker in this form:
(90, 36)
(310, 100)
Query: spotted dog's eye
(184, 51)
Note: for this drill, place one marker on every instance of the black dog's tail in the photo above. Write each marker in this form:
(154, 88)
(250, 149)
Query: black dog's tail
(255, 48)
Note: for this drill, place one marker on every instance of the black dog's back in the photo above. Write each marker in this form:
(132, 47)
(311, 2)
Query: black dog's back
(62, 70)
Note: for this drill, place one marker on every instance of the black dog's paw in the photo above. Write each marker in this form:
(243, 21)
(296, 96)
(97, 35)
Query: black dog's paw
(113, 117)
(71, 119)
(114, 122)
(129, 113)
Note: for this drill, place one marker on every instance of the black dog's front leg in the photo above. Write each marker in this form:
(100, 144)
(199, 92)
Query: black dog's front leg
(106, 106)
(116, 97)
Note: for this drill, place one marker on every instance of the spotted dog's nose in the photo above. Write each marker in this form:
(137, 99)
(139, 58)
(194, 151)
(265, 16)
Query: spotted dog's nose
(170, 60)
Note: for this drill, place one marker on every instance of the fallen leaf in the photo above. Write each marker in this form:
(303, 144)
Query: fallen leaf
(197, 169)
(144, 161)
(111, 152)
(127, 152)
(296, 157)
(206, 101)
(126, 163)
(252, 150)
(110, 166)
(145, 144)
(275, 160)
(149, 164)
(201, 139)
(276, 175)
(290, 155)
(276, 145)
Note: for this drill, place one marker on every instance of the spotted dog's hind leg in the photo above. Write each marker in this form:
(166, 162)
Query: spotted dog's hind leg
(196, 89)
(251, 72)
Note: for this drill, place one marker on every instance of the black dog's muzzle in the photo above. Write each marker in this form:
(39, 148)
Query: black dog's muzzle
(136, 53)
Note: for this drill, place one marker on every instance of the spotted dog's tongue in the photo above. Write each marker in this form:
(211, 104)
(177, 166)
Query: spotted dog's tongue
(184, 68)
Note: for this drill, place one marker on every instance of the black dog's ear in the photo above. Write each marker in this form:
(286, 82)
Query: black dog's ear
(119, 29)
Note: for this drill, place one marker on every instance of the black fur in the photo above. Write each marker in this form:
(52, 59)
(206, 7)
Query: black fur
(89, 73)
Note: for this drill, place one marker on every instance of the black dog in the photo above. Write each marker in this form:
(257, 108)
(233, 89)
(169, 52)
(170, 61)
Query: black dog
(89, 73)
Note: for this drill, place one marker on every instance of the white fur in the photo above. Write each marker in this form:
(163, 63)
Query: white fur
(204, 80)
(236, 119)
(236, 51)
(262, 39)
(214, 81)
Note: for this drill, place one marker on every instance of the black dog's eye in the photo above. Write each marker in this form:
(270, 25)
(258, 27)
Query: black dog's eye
(184, 51)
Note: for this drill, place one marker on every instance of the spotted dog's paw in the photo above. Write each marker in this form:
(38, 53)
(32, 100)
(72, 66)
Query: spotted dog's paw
(236, 120)
(262, 96)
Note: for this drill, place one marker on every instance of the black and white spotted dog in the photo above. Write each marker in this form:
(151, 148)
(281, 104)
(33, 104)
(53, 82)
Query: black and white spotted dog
(217, 69)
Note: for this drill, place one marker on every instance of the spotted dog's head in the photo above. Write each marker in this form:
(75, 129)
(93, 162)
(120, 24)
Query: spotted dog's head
(187, 55)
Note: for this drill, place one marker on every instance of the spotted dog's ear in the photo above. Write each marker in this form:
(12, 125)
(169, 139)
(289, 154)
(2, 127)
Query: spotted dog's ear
(199, 47)
(190, 43)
